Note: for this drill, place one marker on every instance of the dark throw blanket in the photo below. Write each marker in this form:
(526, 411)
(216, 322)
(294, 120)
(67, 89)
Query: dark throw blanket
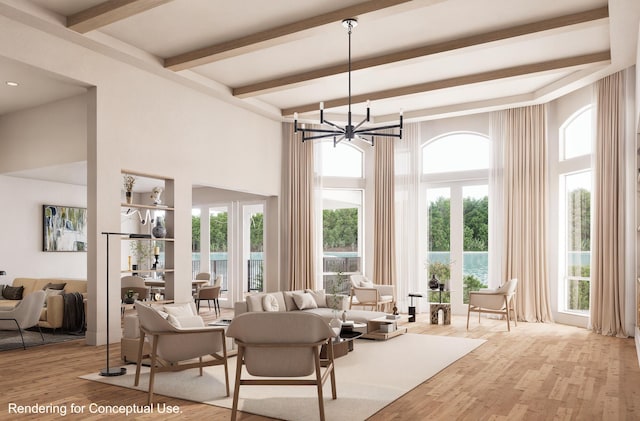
(74, 317)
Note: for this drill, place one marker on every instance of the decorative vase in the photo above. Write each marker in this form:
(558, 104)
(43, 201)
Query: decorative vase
(159, 231)
(441, 287)
(129, 300)
(129, 197)
(433, 283)
(336, 325)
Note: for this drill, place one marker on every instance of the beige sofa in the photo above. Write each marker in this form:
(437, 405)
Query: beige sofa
(52, 314)
(326, 306)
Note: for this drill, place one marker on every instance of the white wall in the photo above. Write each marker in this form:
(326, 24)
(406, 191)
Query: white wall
(44, 136)
(21, 252)
(146, 122)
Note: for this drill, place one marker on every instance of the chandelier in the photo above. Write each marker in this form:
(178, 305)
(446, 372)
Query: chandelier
(348, 132)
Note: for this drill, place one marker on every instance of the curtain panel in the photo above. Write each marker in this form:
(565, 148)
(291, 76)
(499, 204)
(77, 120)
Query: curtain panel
(384, 258)
(298, 210)
(525, 207)
(410, 265)
(608, 248)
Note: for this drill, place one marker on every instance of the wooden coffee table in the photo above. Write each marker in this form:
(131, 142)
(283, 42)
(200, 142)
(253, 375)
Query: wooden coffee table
(383, 329)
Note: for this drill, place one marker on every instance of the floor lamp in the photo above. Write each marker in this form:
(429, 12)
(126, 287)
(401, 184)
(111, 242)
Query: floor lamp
(116, 371)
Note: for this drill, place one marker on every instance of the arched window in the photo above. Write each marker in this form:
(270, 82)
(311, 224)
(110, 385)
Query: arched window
(575, 135)
(343, 160)
(455, 174)
(456, 152)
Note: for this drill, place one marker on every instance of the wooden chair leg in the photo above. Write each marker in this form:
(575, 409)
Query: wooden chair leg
(506, 306)
(468, 314)
(152, 372)
(236, 390)
(316, 357)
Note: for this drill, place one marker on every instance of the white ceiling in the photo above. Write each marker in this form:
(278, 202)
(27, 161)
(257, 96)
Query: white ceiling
(478, 73)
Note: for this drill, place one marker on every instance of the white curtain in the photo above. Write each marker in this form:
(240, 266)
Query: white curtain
(410, 264)
(608, 248)
(496, 201)
(525, 210)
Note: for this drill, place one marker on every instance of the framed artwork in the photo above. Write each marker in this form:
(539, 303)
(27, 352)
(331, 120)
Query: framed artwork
(65, 228)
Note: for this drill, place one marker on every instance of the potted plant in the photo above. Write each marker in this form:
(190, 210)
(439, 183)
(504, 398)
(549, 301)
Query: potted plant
(130, 297)
(336, 293)
(142, 251)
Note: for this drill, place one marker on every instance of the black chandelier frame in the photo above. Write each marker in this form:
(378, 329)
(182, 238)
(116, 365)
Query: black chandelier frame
(349, 131)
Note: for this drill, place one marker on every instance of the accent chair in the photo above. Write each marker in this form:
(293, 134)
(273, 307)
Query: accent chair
(273, 345)
(495, 301)
(24, 315)
(365, 293)
(179, 342)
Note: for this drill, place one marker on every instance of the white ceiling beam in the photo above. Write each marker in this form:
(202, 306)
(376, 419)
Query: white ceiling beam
(109, 12)
(271, 37)
(287, 82)
(600, 57)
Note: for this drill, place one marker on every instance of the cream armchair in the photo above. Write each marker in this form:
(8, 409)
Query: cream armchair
(274, 345)
(365, 293)
(24, 315)
(174, 348)
(495, 301)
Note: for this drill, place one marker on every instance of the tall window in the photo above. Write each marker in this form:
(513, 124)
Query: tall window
(455, 172)
(218, 243)
(254, 246)
(195, 241)
(342, 170)
(575, 213)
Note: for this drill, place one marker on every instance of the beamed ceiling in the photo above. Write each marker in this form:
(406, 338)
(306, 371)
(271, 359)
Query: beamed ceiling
(430, 58)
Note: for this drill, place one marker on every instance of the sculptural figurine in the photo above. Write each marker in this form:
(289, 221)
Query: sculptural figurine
(395, 309)
(155, 195)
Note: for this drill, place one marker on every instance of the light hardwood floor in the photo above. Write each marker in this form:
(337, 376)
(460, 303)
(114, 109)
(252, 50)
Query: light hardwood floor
(536, 372)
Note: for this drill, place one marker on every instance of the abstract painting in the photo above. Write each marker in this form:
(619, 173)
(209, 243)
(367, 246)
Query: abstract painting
(65, 228)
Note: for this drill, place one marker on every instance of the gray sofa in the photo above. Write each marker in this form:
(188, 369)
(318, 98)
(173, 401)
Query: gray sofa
(325, 305)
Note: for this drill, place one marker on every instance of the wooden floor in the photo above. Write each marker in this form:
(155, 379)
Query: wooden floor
(536, 372)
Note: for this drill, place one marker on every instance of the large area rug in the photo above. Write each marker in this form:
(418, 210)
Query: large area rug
(369, 378)
(10, 339)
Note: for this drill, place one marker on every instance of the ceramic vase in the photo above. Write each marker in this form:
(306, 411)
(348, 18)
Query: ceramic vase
(159, 231)
(433, 283)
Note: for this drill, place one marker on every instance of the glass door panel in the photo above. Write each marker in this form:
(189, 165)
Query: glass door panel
(475, 265)
(439, 238)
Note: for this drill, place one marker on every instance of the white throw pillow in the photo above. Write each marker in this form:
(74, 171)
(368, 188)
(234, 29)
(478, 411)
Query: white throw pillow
(270, 303)
(366, 284)
(179, 310)
(304, 301)
(185, 321)
(319, 297)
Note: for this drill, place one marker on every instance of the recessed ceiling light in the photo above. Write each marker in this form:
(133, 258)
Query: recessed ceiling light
(10, 83)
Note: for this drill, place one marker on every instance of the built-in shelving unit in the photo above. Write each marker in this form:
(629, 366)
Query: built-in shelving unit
(141, 220)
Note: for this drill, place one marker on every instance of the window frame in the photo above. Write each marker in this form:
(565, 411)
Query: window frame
(568, 167)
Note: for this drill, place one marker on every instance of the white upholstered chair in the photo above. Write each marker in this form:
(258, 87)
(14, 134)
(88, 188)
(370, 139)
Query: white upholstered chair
(24, 315)
(495, 301)
(175, 348)
(217, 282)
(281, 347)
(365, 293)
(203, 276)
